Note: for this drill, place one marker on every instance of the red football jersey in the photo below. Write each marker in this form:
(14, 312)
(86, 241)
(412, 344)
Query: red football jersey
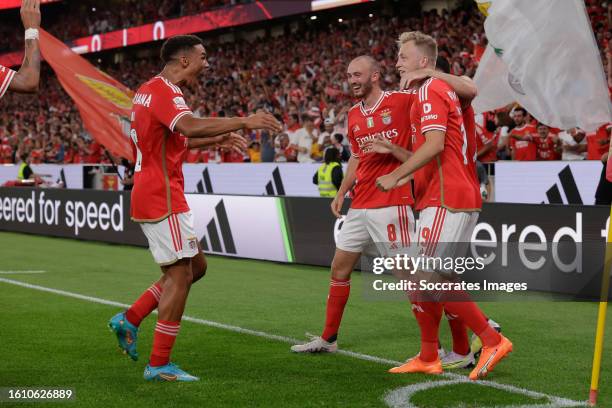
(598, 143)
(469, 121)
(483, 136)
(6, 76)
(389, 118)
(6, 154)
(158, 174)
(545, 148)
(193, 155)
(448, 179)
(523, 149)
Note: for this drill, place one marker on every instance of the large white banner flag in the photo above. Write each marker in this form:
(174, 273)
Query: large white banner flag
(543, 55)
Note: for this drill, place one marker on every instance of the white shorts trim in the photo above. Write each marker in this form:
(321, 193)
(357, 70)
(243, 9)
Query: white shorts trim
(442, 233)
(391, 229)
(172, 238)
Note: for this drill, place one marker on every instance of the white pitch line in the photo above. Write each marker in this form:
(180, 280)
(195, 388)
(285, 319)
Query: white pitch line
(20, 272)
(554, 400)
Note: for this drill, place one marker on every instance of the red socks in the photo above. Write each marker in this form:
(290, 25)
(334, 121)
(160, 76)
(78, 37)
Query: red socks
(461, 344)
(339, 291)
(163, 340)
(146, 303)
(471, 315)
(428, 315)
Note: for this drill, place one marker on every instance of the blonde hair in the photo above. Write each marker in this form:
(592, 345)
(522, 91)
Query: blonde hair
(424, 42)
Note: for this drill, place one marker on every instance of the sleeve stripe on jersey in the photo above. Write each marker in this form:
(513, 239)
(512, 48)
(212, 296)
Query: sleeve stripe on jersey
(424, 90)
(433, 127)
(177, 117)
(7, 82)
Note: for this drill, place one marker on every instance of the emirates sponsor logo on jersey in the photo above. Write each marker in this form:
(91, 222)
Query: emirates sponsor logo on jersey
(365, 141)
(142, 99)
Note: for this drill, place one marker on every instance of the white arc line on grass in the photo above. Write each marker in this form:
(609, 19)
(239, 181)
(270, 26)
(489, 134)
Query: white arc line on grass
(407, 391)
(21, 272)
(400, 397)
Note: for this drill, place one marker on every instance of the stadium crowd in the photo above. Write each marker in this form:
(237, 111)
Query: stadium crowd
(94, 17)
(308, 90)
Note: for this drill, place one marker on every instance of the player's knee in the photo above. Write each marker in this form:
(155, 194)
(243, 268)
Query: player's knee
(340, 270)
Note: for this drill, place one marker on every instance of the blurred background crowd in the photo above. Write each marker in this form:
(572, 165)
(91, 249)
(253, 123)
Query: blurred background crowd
(300, 76)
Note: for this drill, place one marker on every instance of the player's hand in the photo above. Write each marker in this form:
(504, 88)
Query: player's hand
(409, 78)
(382, 145)
(30, 13)
(336, 205)
(386, 182)
(233, 141)
(263, 120)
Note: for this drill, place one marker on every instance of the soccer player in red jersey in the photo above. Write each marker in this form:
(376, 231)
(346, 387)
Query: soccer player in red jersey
(163, 128)
(462, 354)
(522, 146)
(26, 79)
(448, 200)
(374, 217)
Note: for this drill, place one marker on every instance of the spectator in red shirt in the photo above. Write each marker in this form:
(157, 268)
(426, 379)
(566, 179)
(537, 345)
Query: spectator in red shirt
(487, 139)
(95, 152)
(522, 146)
(598, 143)
(546, 144)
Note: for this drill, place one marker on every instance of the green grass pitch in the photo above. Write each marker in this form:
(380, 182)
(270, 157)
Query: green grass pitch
(47, 339)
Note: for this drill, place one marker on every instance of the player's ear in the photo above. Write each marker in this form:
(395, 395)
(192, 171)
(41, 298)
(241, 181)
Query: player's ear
(424, 61)
(184, 61)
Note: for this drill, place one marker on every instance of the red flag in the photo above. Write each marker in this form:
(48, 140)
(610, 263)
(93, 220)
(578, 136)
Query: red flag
(104, 103)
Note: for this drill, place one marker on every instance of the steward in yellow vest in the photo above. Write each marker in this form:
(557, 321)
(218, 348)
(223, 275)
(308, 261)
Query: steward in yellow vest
(329, 175)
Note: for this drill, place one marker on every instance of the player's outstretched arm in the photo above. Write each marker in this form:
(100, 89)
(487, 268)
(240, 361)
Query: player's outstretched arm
(27, 78)
(193, 127)
(231, 141)
(434, 145)
(464, 86)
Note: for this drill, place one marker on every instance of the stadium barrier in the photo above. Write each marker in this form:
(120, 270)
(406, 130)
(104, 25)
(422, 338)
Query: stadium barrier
(303, 230)
(551, 182)
(515, 182)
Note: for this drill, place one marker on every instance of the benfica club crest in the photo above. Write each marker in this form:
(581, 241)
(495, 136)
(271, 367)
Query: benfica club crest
(386, 116)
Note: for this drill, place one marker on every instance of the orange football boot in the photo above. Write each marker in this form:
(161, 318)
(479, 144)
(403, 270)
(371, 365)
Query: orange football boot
(489, 358)
(416, 365)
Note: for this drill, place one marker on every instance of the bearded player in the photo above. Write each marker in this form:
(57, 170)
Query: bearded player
(163, 127)
(27, 78)
(374, 217)
(448, 200)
